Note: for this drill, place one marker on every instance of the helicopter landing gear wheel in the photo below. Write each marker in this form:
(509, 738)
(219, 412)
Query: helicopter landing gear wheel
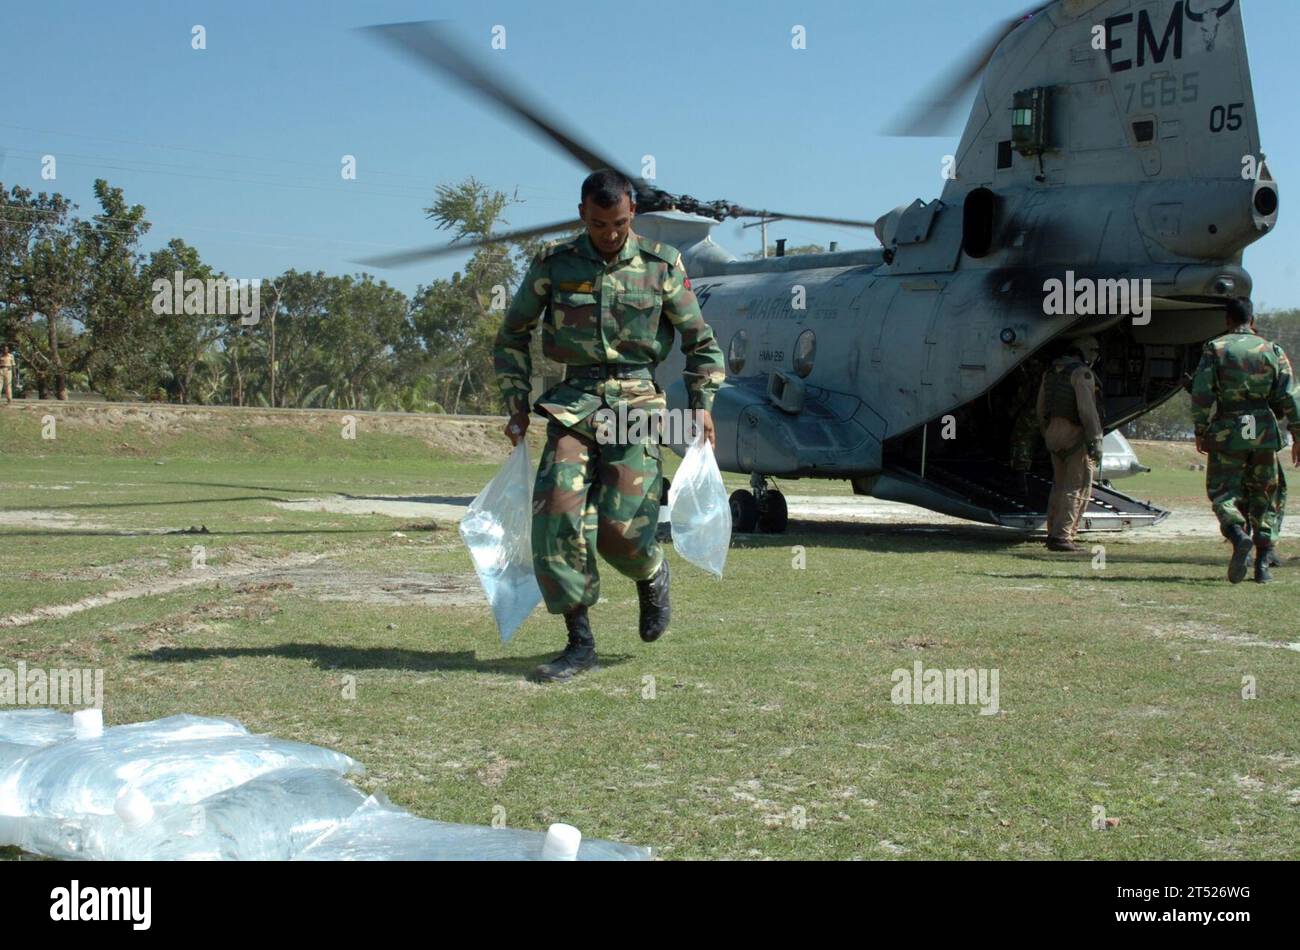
(773, 513)
(744, 511)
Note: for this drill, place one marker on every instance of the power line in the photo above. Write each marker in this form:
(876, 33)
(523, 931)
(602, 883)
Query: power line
(543, 190)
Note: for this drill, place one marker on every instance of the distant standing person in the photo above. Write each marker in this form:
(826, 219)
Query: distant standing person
(1067, 415)
(1241, 388)
(7, 374)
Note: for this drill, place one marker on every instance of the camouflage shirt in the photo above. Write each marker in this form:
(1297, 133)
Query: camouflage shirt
(1242, 377)
(624, 311)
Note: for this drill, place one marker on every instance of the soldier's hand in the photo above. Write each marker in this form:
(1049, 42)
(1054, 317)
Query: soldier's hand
(1200, 444)
(1295, 453)
(517, 428)
(704, 419)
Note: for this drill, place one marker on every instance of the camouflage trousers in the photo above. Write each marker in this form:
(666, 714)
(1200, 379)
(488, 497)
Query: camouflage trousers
(593, 497)
(1243, 490)
(1280, 507)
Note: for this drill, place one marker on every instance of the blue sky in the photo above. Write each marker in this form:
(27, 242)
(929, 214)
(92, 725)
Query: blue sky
(237, 148)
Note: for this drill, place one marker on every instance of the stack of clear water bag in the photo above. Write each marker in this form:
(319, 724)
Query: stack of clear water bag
(196, 788)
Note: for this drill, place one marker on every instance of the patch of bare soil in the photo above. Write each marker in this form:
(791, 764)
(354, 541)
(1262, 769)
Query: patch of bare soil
(160, 586)
(1212, 633)
(331, 581)
(307, 574)
(46, 520)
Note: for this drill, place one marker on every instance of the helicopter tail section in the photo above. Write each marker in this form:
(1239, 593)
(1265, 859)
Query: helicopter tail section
(1119, 94)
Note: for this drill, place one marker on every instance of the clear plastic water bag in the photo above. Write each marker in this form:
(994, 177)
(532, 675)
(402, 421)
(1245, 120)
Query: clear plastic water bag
(699, 510)
(497, 529)
(379, 831)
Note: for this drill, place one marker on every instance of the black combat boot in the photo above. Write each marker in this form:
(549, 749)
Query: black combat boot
(655, 609)
(1263, 558)
(578, 656)
(1274, 559)
(1241, 548)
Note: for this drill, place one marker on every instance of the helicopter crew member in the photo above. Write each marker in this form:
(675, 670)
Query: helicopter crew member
(1067, 415)
(613, 301)
(1242, 387)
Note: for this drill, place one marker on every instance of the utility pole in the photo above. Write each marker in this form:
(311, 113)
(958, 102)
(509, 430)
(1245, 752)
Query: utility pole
(762, 225)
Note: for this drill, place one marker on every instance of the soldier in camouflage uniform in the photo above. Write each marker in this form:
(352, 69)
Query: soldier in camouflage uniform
(1274, 559)
(610, 303)
(1067, 413)
(1242, 387)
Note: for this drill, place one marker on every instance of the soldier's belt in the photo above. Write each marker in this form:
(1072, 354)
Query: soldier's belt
(1245, 406)
(609, 371)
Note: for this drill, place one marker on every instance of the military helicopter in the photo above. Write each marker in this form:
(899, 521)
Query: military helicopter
(1109, 141)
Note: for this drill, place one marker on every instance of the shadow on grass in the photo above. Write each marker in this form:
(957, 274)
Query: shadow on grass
(414, 499)
(1106, 577)
(59, 533)
(1114, 559)
(304, 491)
(901, 537)
(346, 659)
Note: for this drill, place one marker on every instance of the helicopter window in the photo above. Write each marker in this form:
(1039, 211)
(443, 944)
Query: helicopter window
(737, 352)
(978, 217)
(805, 352)
(1144, 130)
(1004, 154)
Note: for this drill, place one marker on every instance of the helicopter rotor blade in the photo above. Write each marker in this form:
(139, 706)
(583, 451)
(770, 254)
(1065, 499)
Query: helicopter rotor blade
(815, 219)
(420, 254)
(931, 113)
(432, 44)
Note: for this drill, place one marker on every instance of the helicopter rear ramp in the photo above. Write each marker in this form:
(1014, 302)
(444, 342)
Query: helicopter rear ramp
(992, 493)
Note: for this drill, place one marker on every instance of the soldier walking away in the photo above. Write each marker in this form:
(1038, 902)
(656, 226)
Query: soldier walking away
(1242, 387)
(6, 374)
(610, 303)
(1274, 559)
(1071, 427)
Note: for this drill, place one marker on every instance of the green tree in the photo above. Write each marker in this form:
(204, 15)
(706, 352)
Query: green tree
(456, 320)
(181, 340)
(116, 314)
(790, 251)
(42, 275)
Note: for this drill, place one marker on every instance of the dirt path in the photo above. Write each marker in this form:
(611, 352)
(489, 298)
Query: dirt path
(1179, 526)
(201, 577)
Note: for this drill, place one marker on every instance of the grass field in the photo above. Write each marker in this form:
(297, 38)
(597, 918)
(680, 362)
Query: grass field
(771, 732)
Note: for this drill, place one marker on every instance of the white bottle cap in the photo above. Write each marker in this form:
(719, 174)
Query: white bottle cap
(133, 807)
(561, 843)
(88, 723)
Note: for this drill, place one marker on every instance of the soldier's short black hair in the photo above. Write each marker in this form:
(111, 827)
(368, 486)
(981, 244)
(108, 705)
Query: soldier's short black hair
(606, 187)
(1240, 311)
